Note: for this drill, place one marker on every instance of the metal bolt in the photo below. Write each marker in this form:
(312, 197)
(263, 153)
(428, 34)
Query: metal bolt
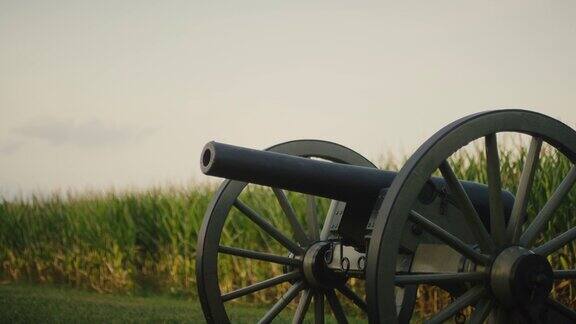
(362, 263)
(328, 256)
(417, 229)
(460, 318)
(345, 264)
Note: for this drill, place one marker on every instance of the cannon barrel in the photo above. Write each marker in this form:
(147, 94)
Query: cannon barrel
(320, 178)
(325, 179)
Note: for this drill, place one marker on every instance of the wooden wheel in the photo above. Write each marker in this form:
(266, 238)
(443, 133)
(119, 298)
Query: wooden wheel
(491, 266)
(302, 250)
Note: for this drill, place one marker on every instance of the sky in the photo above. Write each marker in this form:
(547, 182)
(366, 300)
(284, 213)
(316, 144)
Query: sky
(124, 94)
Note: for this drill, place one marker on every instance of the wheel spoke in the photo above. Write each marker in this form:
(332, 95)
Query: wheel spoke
(556, 243)
(449, 239)
(570, 314)
(290, 294)
(312, 218)
(299, 233)
(438, 278)
(337, 309)
(497, 221)
(332, 210)
(259, 255)
(528, 238)
(467, 299)
(319, 308)
(565, 274)
(470, 215)
(357, 300)
(481, 311)
(518, 215)
(303, 305)
(261, 285)
(268, 228)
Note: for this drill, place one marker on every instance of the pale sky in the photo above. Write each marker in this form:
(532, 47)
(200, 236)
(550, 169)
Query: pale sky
(124, 94)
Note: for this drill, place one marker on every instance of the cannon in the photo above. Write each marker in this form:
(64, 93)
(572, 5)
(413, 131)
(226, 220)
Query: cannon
(391, 232)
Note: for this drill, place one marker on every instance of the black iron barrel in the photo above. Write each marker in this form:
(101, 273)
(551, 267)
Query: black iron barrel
(325, 179)
(320, 178)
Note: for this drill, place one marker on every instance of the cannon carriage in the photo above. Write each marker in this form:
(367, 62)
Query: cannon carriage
(395, 231)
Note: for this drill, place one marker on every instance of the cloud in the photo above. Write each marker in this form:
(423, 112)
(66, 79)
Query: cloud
(82, 133)
(10, 146)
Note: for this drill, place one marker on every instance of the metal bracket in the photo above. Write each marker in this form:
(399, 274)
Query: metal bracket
(347, 260)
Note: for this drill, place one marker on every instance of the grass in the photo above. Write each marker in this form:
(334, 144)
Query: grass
(25, 303)
(139, 243)
(34, 304)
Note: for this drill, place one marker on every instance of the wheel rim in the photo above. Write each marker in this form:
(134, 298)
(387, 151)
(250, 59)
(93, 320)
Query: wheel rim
(396, 210)
(210, 233)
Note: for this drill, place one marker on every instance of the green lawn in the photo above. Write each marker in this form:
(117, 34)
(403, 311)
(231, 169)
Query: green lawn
(21, 303)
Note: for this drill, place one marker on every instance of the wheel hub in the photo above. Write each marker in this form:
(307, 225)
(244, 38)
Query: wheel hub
(315, 268)
(519, 277)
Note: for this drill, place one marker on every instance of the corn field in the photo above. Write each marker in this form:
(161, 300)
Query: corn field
(139, 242)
